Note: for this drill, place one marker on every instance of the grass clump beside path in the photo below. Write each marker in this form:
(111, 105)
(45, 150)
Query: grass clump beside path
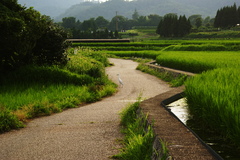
(172, 80)
(139, 136)
(34, 91)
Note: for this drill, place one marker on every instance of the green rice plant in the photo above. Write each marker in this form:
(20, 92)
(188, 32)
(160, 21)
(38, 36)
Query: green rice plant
(213, 99)
(196, 47)
(216, 34)
(197, 62)
(131, 44)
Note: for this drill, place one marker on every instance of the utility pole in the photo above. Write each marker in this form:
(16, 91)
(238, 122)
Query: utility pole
(116, 21)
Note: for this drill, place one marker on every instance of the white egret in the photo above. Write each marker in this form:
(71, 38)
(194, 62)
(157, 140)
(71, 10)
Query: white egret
(120, 80)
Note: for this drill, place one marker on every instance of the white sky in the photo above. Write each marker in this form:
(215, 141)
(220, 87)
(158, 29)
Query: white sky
(100, 0)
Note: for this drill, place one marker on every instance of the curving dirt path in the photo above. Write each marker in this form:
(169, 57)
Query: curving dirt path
(86, 133)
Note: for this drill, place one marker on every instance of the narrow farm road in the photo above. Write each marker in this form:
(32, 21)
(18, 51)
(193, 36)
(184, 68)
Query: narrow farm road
(86, 133)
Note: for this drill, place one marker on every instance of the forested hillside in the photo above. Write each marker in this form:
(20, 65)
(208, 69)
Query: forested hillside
(51, 8)
(109, 8)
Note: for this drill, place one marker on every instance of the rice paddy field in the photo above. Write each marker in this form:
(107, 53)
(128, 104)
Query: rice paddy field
(212, 95)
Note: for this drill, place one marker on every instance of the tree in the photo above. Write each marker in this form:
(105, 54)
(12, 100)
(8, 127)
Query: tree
(142, 21)
(167, 26)
(50, 47)
(153, 19)
(69, 22)
(101, 22)
(207, 22)
(135, 15)
(238, 15)
(184, 26)
(227, 17)
(172, 26)
(193, 19)
(89, 25)
(118, 23)
(198, 22)
(20, 31)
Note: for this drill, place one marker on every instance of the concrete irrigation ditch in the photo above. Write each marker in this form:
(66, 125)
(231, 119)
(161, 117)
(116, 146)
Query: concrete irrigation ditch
(182, 142)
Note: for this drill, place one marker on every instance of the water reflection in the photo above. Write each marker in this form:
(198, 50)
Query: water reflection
(180, 109)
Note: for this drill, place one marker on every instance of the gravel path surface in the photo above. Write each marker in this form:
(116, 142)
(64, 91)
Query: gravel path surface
(86, 133)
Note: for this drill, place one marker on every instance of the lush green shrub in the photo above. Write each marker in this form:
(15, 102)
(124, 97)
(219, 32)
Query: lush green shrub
(87, 52)
(28, 37)
(50, 47)
(85, 65)
(8, 121)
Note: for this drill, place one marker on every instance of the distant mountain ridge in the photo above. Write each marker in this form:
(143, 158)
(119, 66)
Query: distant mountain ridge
(51, 8)
(59, 9)
(109, 8)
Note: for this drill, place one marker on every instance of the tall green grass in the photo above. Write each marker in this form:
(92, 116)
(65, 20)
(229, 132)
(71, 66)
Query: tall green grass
(139, 54)
(173, 80)
(139, 136)
(138, 141)
(33, 91)
(213, 99)
(216, 34)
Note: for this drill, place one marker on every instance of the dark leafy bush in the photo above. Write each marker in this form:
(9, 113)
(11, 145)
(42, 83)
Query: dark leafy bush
(28, 37)
(50, 48)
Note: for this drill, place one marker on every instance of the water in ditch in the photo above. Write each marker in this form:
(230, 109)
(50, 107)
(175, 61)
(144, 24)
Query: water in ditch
(226, 151)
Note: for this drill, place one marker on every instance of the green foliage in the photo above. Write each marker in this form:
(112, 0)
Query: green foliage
(202, 47)
(27, 37)
(50, 47)
(138, 136)
(85, 65)
(225, 34)
(128, 114)
(213, 99)
(227, 17)
(8, 121)
(172, 26)
(139, 54)
(196, 61)
(166, 76)
(45, 75)
(33, 91)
